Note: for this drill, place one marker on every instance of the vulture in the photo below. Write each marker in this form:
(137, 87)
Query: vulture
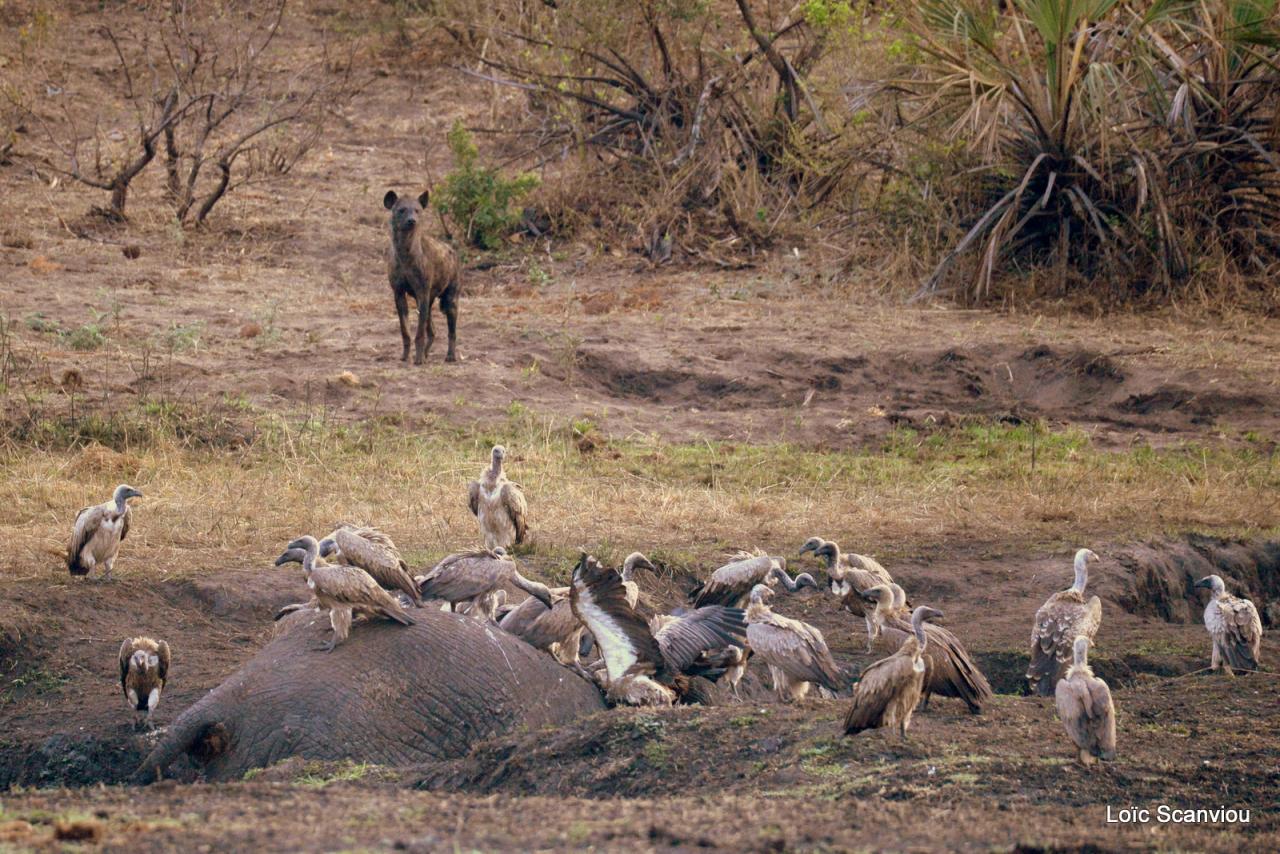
(949, 671)
(848, 573)
(144, 667)
(641, 667)
(1062, 618)
(98, 532)
(473, 578)
(1085, 708)
(556, 630)
(1234, 627)
(795, 652)
(498, 505)
(343, 591)
(375, 553)
(731, 584)
(890, 689)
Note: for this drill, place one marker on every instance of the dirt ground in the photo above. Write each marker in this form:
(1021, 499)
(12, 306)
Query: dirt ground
(286, 292)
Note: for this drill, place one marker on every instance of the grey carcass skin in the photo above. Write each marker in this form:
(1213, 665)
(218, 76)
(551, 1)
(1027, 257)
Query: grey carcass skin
(389, 695)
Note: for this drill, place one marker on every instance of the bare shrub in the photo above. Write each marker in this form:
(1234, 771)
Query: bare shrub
(681, 124)
(204, 94)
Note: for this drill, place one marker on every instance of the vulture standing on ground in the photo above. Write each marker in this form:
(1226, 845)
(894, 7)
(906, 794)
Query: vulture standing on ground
(890, 689)
(1062, 618)
(1085, 708)
(1234, 626)
(641, 669)
(343, 591)
(98, 532)
(795, 652)
(949, 670)
(375, 553)
(731, 584)
(144, 667)
(498, 505)
(474, 578)
(849, 573)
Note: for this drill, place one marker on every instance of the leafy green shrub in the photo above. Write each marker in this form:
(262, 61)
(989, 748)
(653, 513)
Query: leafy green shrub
(477, 198)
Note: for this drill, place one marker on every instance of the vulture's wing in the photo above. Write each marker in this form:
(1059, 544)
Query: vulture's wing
(869, 568)
(513, 502)
(163, 650)
(464, 576)
(951, 672)
(375, 553)
(124, 524)
(473, 497)
(879, 684)
(1058, 622)
(599, 600)
(520, 619)
(1242, 631)
(353, 586)
(126, 650)
(87, 522)
(707, 629)
(732, 583)
(795, 648)
(553, 626)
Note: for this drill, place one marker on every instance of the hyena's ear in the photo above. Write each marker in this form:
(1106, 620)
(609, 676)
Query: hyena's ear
(389, 200)
(422, 200)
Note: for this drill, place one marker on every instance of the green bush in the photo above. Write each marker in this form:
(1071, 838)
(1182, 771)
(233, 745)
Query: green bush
(477, 198)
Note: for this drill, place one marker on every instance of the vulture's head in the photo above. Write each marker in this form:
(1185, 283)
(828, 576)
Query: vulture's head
(812, 545)
(327, 547)
(876, 595)
(1084, 557)
(635, 561)
(124, 492)
(804, 579)
(499, 454)
(761, 594)
(291, 556)
(1213, 583)
(307, 543)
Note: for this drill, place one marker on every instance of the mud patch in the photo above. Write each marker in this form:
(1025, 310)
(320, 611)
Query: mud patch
(1159, 577)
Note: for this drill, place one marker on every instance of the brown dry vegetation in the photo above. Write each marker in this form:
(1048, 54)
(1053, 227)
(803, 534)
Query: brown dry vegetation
(245, 376)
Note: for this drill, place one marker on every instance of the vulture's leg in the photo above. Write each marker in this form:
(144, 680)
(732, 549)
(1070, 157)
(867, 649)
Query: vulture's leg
(1217, 659)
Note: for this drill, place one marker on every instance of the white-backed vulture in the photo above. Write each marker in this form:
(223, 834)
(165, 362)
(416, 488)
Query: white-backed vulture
(949, 671)
(468, 576)
(795, 652)
(343, 591)
(1234, 627)
(847, 572)
(889, 690)
(144, 667)
(498, 505)
(98, 532)
(375, 553)
(639, 668)
(1085, 708)
(731, 584)
(1062, 618)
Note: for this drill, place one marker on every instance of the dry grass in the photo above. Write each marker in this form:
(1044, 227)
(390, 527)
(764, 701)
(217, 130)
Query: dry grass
(682, 502)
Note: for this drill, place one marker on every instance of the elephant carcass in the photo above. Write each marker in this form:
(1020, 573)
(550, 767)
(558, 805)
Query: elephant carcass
(389, 695)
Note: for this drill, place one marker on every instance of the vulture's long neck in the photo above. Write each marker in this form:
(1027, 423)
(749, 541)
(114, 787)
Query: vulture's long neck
(917, 625)
(1082, 576)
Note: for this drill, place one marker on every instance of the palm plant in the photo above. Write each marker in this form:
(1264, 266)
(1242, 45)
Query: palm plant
(1098, 124)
